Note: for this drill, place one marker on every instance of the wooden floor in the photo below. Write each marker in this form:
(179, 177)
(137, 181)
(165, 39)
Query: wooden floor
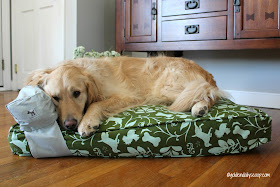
(73, 171)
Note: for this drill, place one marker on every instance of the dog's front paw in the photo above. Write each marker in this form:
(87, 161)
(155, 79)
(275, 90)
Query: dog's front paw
(88, 127)
(200, 109)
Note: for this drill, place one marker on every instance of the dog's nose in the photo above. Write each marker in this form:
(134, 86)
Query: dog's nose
(70, 124)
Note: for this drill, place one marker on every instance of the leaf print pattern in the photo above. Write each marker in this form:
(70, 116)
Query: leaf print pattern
(154, 131)
(172, 150)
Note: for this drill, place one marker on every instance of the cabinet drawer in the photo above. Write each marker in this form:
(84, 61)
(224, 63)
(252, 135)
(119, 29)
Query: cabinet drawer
(181, 7)
(195, 29)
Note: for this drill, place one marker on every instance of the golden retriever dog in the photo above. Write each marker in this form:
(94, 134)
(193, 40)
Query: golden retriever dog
(86, 91)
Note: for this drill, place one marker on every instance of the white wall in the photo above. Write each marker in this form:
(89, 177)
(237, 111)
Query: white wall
(90, 24)
(251, 76)
(96, 24)
(110, 25)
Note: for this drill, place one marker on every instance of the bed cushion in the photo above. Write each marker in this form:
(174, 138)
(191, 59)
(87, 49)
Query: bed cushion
(154, 131)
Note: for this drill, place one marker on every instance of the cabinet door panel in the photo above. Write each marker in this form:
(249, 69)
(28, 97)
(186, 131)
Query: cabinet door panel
(257, 19)
(140, 24)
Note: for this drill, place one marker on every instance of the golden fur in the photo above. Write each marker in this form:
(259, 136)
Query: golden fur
(86, 91)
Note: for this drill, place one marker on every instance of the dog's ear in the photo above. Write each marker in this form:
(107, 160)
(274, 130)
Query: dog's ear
(93, 90)
(38, 77)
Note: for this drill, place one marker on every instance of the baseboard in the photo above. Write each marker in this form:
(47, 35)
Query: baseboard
(258, 99)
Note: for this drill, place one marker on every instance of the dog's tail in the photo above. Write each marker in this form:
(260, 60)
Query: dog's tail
(194, 92)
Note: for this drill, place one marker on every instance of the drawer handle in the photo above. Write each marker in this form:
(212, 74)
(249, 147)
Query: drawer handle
(194, 4)
(192, 29)
(154, 11)
(237, 4)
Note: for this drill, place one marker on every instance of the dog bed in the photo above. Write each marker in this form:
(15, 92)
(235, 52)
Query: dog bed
(154, 131)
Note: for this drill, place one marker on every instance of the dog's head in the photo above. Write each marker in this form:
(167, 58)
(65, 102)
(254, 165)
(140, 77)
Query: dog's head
(72, 91)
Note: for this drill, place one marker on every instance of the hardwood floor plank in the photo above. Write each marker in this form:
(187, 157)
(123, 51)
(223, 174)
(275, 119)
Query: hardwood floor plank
(34, 174)
(275, 179)
(132, 174)
(195, 170)
(94, 172)
(22, 165)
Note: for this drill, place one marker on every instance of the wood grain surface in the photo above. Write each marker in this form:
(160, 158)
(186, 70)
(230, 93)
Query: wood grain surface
(254, 26)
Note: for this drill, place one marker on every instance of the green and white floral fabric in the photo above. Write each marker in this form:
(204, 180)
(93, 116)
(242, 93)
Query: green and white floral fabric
(154, 131)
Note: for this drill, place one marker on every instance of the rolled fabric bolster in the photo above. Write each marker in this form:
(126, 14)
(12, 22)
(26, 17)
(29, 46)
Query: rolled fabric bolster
(35, 112)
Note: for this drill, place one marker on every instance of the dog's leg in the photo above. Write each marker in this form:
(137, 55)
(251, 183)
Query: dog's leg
(100, 110)
(199, 96)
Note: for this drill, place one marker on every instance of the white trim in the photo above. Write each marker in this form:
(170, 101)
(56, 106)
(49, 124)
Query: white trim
(1, 47)
(70, 28)
(8, 83)
(258, 99)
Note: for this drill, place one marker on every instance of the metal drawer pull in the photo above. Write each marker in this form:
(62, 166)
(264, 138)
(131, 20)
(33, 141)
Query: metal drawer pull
(154, 11)
(237, 4)
(192, 29)
(194, 4)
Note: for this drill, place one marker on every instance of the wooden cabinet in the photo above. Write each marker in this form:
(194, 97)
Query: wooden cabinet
(178, 25)
(256, 18)
(140, 20)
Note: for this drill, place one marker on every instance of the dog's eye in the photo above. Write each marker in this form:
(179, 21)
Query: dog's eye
(76, 94)
(56, 98)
